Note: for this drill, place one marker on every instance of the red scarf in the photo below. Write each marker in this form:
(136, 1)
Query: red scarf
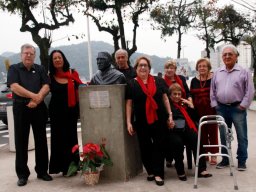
(189, 121)
(151, 105)
(177, 80)
(72, 94)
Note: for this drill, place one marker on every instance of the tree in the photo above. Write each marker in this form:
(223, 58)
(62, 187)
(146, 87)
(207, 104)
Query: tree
(230, 25)
(204, 24)
(251, 40)
(117, 17)
(40, 18)
(174, 17)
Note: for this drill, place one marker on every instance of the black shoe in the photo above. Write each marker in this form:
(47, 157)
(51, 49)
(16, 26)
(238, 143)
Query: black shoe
(183, 178)
(45, 177)
(241, 167)
(159, 181)
(151, 178)
(168, 164)
(222, 164)
(22, 182)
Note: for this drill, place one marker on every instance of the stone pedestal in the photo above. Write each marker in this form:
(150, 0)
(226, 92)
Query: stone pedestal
(102, 114)
(31, 144)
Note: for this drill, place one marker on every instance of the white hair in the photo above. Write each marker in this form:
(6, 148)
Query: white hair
(26, 46)
(232, 47)
(121, 51)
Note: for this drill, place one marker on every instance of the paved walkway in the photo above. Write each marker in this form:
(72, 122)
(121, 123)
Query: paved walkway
(221, 181)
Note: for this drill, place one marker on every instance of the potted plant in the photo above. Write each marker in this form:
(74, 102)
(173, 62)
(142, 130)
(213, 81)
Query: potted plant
(92, 159)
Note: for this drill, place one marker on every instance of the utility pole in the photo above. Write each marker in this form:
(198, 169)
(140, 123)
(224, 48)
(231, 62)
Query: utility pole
(89, 48)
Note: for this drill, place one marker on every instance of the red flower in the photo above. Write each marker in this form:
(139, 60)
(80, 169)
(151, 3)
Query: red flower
(93, 157)
(91, 148)
(75, 148)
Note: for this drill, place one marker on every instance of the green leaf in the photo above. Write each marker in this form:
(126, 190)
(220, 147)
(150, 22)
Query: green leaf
(72, 169)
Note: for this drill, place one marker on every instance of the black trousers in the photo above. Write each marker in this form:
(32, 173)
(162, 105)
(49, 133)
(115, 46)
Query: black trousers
(23, 118)
(152, 140)
(177, 140)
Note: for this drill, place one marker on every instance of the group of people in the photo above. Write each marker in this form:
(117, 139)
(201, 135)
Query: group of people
(163, 112)
(30, 83)
(153, 106)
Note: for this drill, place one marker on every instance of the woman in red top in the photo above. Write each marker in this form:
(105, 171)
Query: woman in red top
(170, 77)
(200, 91)
(146, 97)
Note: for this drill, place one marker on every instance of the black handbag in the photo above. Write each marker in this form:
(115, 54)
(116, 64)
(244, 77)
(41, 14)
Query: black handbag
(180, 124)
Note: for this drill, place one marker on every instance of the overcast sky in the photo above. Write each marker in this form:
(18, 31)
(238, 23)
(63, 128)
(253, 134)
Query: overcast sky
(148, 41)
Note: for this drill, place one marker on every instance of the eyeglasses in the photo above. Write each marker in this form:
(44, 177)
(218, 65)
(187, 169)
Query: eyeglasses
(142, 65)
(28, 54)
(227, 54)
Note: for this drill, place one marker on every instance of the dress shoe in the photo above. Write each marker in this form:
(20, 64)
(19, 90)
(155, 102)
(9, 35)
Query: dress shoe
(222, 164)
(150, 177)
(159, 181)
(168, 164)
(182, 177)
(45, 177)
(22, 182)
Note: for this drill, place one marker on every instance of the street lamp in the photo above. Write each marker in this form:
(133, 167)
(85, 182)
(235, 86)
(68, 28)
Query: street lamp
(89, 48)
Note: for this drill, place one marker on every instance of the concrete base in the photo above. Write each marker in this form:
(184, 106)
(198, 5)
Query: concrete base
(31, 144)
(102, 114)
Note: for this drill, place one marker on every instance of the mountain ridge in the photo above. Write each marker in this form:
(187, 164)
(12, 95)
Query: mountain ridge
(77, 55)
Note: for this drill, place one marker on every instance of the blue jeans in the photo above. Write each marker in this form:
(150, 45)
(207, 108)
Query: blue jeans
(233, 114)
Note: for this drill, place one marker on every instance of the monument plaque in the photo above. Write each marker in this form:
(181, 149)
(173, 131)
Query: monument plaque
(99, 99)
(102, 115)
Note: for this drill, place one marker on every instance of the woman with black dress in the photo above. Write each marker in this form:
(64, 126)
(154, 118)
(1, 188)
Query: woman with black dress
(63, 112)
(146, 97)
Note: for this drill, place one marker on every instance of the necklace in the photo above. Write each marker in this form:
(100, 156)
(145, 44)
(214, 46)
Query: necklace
(202, 84)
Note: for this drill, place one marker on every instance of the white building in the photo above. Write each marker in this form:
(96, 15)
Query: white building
(182, 67)
(245, 55)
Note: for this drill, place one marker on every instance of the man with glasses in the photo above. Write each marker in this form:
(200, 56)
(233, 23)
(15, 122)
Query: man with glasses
(231, 93)
(30, 84)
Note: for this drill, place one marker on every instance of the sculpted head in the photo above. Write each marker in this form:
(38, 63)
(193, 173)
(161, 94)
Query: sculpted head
(104, 60)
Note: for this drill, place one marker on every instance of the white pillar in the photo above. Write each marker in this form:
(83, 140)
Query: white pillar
(31, 144)
(89, 48)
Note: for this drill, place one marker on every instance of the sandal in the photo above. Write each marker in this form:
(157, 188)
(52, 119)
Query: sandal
(213, 160)
(159, 181)
(204, 174)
